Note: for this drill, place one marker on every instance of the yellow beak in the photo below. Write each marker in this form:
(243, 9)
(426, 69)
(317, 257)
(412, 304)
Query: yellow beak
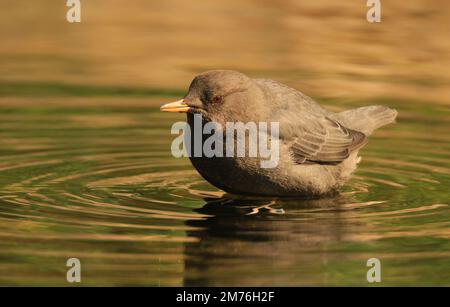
(177, 106)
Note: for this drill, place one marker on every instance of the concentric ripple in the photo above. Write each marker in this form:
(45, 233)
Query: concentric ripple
(101, 185)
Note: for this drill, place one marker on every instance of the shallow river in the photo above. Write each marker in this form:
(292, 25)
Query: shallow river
(100, 184)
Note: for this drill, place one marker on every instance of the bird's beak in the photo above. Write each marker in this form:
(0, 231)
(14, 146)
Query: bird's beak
(177, 106)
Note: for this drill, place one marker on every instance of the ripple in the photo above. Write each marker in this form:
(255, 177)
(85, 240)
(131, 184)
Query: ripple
(112, 192)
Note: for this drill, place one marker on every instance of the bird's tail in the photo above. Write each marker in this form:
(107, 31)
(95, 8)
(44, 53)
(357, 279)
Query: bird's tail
(366, 119)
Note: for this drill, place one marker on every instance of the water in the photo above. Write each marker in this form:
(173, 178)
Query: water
(99, 183)
(85, 163)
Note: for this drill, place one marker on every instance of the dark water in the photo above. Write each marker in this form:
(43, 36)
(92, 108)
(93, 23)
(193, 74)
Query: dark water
(100, 184)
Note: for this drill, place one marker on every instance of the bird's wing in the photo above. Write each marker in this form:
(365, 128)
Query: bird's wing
(316, 138)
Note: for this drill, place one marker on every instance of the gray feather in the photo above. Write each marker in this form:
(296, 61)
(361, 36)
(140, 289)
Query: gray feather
(366, 119)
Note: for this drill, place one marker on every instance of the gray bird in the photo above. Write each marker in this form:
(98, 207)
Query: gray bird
(318, 149)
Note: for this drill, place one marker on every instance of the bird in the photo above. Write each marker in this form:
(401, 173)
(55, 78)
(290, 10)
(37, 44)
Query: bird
(318, 149)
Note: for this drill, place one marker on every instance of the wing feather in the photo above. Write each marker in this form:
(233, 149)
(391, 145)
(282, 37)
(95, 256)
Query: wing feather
(319, 139)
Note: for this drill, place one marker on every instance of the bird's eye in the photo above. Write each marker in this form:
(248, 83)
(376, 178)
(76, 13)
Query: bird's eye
(217, 99)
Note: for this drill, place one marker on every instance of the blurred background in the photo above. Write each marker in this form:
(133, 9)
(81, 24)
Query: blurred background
(325, 48)
(86, 169)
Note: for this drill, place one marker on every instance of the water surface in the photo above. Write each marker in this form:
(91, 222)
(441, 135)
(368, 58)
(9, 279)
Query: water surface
(99, 183)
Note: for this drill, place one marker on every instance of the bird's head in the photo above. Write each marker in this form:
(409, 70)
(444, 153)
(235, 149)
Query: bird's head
(221, 96)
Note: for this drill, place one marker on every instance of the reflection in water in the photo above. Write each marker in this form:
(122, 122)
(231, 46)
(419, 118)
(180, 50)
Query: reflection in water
(293, 242)
(244, 236)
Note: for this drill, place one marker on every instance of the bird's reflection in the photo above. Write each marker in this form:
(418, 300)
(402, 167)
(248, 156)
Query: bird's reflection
(240, 206)
(246, 241)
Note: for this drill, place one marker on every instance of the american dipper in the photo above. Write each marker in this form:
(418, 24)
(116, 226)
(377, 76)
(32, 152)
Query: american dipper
(318, 149)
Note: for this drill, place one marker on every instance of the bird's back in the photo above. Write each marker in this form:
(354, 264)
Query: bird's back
(364, 119)
(286, 98)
